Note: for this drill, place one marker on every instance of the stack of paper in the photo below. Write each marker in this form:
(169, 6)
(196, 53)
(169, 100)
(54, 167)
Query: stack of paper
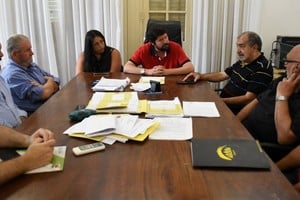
(107, 100)
(128, 102)
(94, 126)
(106, 84)
(164, 108)
(129, 126)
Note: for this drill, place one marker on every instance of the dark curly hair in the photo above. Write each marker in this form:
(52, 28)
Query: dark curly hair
(154, 33)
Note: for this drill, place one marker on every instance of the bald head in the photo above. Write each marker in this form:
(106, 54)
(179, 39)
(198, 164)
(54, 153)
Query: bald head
(294, 54)
(292, 61)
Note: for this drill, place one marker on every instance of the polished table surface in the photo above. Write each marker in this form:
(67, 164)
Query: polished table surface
(142, 170)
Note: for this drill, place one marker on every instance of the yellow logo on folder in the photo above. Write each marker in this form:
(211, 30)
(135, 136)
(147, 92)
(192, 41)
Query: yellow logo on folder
(226, 152)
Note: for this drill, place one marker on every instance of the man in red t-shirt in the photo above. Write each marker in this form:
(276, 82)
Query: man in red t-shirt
(159, 57)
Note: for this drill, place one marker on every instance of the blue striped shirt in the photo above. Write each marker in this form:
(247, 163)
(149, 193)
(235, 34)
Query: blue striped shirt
(9, 112)
(26, 95)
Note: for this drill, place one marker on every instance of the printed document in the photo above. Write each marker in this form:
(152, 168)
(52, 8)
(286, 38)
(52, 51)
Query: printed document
(173, 129)
(200, 109)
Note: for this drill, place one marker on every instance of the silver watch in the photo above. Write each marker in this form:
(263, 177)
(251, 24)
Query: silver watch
(281, 98)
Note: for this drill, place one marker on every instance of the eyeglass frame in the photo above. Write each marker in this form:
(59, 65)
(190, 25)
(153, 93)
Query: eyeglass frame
(287, 61)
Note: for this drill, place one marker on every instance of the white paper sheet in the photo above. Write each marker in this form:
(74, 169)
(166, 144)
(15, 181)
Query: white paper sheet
(200, 109)
(146, 79)
(173, 129)
(127, 125)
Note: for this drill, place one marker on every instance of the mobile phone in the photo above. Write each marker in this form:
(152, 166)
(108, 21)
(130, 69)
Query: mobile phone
(185, 82)
(88, 148)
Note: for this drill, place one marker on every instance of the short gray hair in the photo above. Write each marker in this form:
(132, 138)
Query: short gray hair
(253, 39)
(14, 43)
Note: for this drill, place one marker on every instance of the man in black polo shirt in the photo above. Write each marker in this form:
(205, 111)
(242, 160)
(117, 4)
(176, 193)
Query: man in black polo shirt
(248, 77)
(274, 116)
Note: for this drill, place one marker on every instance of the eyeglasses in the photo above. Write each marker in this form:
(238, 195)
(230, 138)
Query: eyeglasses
(286, 61)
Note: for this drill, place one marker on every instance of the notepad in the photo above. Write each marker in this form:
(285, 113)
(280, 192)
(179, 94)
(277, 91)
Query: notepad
(228, 153)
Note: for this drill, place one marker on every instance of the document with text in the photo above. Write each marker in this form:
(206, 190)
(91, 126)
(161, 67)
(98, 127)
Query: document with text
(173, 129)
(200, 109)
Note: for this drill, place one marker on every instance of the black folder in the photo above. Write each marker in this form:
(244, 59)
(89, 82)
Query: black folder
(228, 153)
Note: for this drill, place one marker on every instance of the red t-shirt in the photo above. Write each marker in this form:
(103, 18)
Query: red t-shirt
(175, 57)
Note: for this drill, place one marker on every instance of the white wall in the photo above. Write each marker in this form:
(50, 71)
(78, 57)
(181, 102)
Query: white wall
(279, 17)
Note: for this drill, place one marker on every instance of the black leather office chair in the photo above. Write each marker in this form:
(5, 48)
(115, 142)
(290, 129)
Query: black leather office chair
(173, 29)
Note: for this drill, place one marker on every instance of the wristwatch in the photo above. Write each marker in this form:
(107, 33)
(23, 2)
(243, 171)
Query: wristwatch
(281, 98)
(142, 71)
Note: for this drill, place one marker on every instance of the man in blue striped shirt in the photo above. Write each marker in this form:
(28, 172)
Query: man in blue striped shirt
(30, 85)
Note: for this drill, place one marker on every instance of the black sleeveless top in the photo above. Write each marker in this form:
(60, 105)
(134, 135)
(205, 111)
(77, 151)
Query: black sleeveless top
(99, 65)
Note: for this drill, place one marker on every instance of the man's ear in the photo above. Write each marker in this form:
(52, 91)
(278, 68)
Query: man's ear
(14, 54)
(255, 46)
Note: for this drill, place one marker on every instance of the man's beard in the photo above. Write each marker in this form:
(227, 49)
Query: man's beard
(165, 47)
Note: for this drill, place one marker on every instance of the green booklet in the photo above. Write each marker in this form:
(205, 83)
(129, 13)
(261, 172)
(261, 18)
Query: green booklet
(228, 153)
(56, 164)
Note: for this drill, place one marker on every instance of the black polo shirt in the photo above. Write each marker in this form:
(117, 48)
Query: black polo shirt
(254, 77)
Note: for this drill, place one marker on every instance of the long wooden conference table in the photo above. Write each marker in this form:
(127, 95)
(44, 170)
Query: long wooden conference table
(142, 170)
